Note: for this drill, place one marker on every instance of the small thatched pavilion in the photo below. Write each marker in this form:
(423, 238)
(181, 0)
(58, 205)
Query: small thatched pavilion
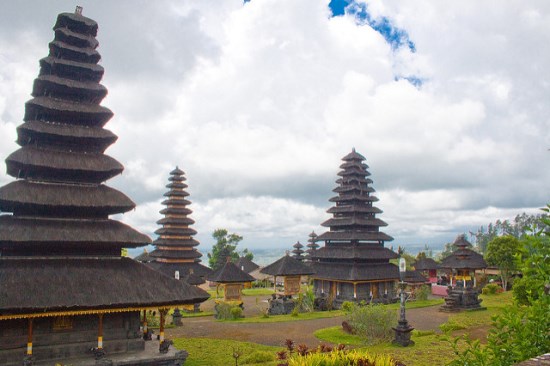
(292, 270)
(462, 264)
(232, 278)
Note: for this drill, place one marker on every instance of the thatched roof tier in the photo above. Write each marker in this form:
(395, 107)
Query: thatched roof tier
(63, 284)
(77, 23)
(179, 231)
(169, 242)
(352, 252)
(67, 51)
(353, 155)
(54, 85)
(169, 269)
(65, 35)
(175, 254)
(176, 185)
(312, 245)
(355, 271)
(353, 197)
(77, 138)
(287, 266)
(246, 265)
(71, 69)
(62, 200)
(464, 259)
(175, 211)
(353, 188)
(414, 277)
(177, 174)
(230, 273)
(354, 208)
(171, 220)
(354, 164)
(425, 264)
(172, 202)
(353, 171)
(176, 193)
(353, 179)
(353, 221)
(354, 236)
(51, 165)
(34, 232)
(66, 111)
(193, 279)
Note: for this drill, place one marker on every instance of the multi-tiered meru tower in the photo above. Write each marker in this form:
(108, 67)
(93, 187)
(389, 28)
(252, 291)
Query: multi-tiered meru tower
(175, 247)
(353, 265)
(64, 287)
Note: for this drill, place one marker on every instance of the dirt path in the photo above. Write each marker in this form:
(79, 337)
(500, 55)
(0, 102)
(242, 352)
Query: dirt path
(275, 334)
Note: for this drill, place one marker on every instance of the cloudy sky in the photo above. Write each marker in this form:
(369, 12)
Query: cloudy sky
(257, 102)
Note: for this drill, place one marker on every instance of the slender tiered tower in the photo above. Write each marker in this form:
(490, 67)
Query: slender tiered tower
(354, 264)
(312, 245)
(63, 282)
(175, 247)
(298, 251)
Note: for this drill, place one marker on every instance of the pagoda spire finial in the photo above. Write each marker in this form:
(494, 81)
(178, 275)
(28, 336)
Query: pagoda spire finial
(78, 10)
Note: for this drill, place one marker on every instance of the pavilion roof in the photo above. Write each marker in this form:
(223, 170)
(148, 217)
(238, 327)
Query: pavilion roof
(246, 264)
(287, 266)
(230, 273)
(425, 264)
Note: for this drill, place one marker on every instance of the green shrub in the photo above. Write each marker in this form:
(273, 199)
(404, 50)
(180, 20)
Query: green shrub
(236, 312)
(451, 326)
(340, 358)
(423, 292)
(258, 357)
(348, 306)
(228, 311)
(491, 289)
(373, 323)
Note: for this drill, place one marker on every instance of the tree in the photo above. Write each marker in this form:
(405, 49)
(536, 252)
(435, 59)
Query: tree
(502, 252)
(226, 246)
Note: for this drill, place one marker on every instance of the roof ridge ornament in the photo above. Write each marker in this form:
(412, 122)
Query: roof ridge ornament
(78, 10)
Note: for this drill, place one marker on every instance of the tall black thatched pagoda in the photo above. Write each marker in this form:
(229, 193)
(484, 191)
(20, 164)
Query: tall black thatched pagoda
(353, 265)
(64, 287)
(175, 247)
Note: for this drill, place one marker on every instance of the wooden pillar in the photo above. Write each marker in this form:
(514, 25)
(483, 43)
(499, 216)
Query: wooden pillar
(162, 313)
(29, 339)
(100, 332)
(144, 322)
(355, 290)
(275, 284)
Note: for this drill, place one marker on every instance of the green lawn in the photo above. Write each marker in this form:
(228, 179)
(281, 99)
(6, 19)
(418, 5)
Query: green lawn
(289, 317)
(259, 291)
(211, 352)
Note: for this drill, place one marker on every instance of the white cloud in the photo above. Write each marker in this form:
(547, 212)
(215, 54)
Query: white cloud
(258, 102)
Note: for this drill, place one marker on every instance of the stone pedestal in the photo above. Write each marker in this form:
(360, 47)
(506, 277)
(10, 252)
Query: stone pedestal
(281, 305)
(461, 298)
(403, 333)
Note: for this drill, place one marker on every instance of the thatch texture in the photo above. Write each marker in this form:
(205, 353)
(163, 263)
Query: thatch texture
(464, 259)
(15, 231)
(30, 285)
(354, 235)
(353, 252)
(67, 199)
(230, 273)
(414, 277)
(355, 271)
(169, 269)
(425, 264)
(246, 265)
(71, 69)
(287, 266)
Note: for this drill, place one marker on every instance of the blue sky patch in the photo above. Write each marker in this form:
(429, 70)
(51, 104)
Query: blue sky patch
(396, 37)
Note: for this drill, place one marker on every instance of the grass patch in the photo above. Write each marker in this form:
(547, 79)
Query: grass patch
(417, 304)
(336, 335)
(290, 317)
(208, 352)
(259, 291)
(196, 315)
